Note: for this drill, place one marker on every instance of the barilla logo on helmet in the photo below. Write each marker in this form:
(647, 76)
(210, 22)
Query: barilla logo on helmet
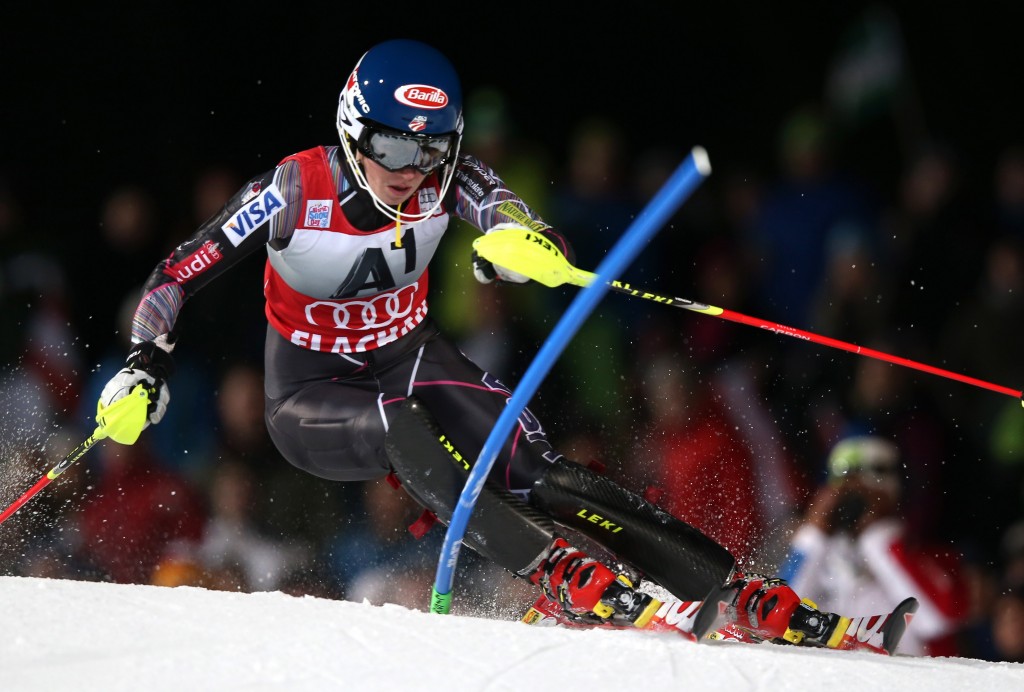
(421, 96)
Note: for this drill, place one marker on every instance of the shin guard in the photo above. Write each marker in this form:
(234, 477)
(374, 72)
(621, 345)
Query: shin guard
(667, 550)
(502, 528)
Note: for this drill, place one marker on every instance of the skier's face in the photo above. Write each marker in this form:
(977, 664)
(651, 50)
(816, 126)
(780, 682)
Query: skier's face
(392, 187)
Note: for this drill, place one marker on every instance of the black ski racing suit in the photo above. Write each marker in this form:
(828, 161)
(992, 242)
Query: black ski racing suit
(349, 340)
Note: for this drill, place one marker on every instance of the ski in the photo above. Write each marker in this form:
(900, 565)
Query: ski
(714, 620)
(671, 616)
(879, 633)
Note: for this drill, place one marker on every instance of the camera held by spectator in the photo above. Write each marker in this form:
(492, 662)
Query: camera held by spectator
(863, 486)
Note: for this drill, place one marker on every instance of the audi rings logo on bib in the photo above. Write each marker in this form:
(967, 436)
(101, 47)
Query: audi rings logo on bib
(378, 312)
(421, 96)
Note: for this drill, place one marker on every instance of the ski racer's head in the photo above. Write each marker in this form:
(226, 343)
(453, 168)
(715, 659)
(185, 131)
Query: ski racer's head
(400, 119)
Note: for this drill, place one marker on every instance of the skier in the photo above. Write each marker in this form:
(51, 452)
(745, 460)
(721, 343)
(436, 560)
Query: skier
(356, 370)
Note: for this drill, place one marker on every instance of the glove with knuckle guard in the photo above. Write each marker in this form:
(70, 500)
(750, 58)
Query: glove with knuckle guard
(148, 363)
(487, 272)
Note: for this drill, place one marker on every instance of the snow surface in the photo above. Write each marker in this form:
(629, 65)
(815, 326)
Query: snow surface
(67, 635)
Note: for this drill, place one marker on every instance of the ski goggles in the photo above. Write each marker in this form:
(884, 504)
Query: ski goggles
(396, 151)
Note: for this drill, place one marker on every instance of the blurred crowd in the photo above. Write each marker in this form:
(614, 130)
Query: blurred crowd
(727, 426)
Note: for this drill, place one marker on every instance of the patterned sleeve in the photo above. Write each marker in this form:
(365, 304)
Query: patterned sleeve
(263, 211)
(482, 199)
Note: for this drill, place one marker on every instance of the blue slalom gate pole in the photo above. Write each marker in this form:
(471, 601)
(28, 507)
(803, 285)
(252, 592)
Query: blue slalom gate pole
(680, 185)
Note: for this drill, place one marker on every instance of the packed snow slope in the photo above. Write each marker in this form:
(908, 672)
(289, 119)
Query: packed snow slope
(67, 635)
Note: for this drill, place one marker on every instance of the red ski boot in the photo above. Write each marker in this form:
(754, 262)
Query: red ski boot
(770, 610)
(585, 587)
(765, 606)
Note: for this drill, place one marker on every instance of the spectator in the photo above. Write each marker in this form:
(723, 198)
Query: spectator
(40, 345)
(221, 337)
(702, 466)
(134, 512)
(982, 338)
(714, 399)
(287, 505)
(1011, 553)
(799, 213)
(933, 215)
(372, 548)
(182, 565)
(982, 579)
(1008, 611)
(996, 627)
(893, 402)
(484, 321)
(846, 302)
(808, 208)
(595, 201)
(384, 558)
(128, 231)
(184, 445)
(233, 540)
(855, 551)
(1008, 625)
(1009, 192)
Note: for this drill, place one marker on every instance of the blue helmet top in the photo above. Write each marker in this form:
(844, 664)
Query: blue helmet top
(404, 85)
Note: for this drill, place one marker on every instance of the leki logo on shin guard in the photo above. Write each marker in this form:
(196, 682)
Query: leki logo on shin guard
(599, 520)
(450, 448)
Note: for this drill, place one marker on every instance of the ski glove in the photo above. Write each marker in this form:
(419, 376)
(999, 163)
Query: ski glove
(150, 363)
(486, 271)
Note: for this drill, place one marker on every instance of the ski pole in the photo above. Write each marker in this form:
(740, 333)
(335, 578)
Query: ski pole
(530, 254)
(122, 422)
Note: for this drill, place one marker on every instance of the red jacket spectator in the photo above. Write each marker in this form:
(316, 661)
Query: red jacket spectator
(136, 510)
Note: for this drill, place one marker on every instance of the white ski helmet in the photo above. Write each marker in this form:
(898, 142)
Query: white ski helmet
(873, 459)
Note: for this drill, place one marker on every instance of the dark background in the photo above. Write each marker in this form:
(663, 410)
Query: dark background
(156, 90)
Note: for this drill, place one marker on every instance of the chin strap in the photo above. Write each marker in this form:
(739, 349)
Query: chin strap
(398, 226)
